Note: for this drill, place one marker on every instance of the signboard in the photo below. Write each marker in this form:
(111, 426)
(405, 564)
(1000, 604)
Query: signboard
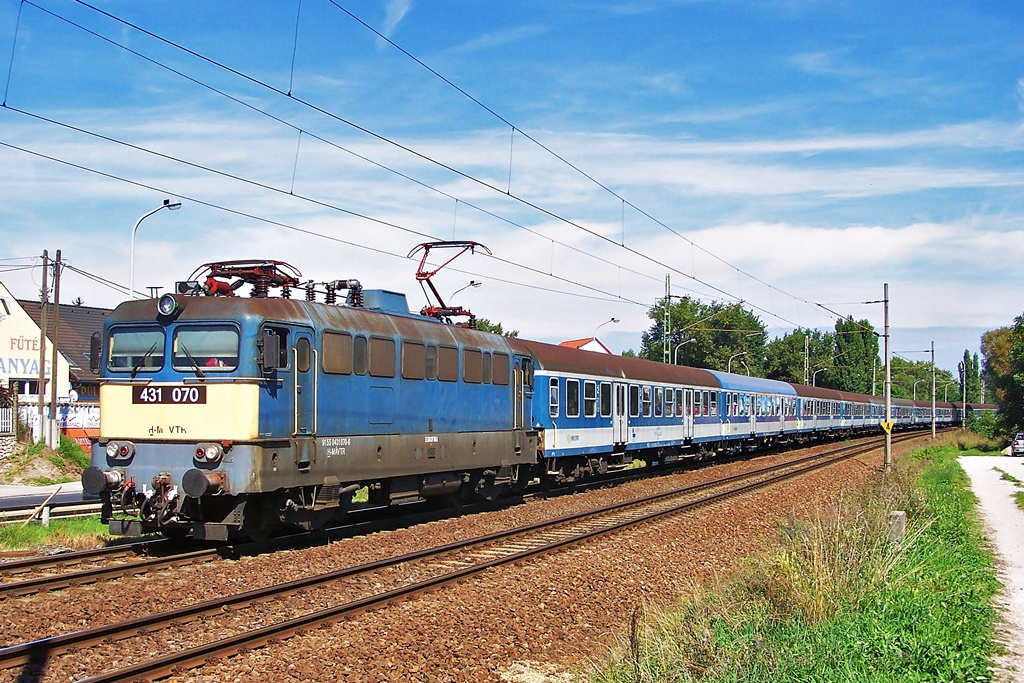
(887, 426)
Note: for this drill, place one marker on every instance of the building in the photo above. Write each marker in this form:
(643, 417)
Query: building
(588, 344)
(77, 387)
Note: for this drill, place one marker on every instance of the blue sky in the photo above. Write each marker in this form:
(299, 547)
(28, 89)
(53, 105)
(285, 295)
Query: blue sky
(786, 153)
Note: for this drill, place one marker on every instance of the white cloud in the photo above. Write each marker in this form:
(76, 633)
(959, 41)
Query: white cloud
(394, 12)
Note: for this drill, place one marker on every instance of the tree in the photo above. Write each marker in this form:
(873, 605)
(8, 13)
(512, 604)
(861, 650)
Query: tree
(1011, 382)
(487, 326)
(784, 356)
(995, 352)
(720, 331)
(856, 354)
(970, 377)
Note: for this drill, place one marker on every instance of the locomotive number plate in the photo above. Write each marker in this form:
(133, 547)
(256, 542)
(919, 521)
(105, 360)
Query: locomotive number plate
(174, 395)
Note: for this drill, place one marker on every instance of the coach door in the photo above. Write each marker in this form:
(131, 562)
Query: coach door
(620, 415)
(688, 414)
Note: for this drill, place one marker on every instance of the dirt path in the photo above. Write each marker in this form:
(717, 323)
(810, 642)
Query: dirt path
(1005, 524)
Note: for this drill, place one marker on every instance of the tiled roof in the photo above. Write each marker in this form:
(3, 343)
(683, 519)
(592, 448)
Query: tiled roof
(577, 343)
(77, 324)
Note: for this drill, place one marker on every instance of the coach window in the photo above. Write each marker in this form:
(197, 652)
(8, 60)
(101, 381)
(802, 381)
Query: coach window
(414, 360)
(699, 401)
(337, 353)
(472, 366)
(647, 401)
(448, 364)
(680, 402)
(590, 398)
(430, 360)
(634, 400)
(714, 403)
(486, 376)
(553, 397)
(606, 399)
(658, 398)
(360, 355)
(501, 368)
(382, 357)
(670, 402)
(572, 398)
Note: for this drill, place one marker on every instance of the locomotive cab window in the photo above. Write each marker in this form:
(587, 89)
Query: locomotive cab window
(205, 348)
(136, 350)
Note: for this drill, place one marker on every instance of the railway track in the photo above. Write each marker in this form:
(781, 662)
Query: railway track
(41, 574)
(163, 647)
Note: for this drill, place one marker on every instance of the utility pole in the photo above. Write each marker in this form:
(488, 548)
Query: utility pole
(888, 385)
(666, 345)
(44, 295)
(52, 435)
(933, 389)
(807, 356)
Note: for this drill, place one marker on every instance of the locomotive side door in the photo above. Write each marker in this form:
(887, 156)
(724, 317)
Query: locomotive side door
(620, 415)
(304, 394)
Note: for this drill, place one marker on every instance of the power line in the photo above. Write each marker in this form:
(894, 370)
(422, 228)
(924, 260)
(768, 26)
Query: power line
(449, 168)
(605, 296)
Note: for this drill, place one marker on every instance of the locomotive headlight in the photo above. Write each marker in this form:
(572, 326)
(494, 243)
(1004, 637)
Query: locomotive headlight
(112, 449)
(169, 306)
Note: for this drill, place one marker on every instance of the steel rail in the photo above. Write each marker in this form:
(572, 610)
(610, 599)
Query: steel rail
(38, 650)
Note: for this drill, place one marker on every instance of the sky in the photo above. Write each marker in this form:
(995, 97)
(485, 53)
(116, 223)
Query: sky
(794, 155)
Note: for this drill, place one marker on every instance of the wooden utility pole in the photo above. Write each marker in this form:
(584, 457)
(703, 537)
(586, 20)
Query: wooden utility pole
(43, 296)
(54, 434)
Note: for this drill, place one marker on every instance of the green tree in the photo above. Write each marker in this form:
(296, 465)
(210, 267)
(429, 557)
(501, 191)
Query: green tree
(487, 326)
(854, 361)
(719, 332)
(970, 377)
(995, 353)
(784, 356)
(1010, 383)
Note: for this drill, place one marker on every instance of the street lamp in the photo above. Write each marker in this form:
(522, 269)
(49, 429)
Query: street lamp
(168, 204)
(735, 355)
(915, 387)
(744, 364)
(613, 321)
(680, 345)
(472, 283)
(814, 377)
(945, 391)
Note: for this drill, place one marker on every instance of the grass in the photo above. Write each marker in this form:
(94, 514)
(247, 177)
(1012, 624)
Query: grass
(77, 533)
(836, 600)
(69, 460)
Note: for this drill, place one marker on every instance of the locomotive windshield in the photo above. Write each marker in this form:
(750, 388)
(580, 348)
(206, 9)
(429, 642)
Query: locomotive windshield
(205, 348)
(138, 350)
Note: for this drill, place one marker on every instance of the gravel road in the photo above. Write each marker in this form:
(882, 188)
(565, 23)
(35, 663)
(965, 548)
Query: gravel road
(991, 483)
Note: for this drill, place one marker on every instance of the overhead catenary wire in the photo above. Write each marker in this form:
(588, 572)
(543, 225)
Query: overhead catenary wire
(448, 167)
(605, 296)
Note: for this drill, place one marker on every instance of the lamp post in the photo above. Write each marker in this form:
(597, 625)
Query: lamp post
(679, 346)
(735, 355)
(814, 377)
(472, 283)
(612, 321)
(945, 391)
(744, 364)
(168, 204)
(915, 387)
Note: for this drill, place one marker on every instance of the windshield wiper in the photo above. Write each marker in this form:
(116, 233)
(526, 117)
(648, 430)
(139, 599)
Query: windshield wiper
(195, 366)
(145, 356)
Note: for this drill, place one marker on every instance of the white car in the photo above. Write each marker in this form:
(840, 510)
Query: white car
(1017, 448)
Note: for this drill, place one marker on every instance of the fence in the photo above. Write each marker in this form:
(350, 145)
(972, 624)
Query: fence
(6, 420)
